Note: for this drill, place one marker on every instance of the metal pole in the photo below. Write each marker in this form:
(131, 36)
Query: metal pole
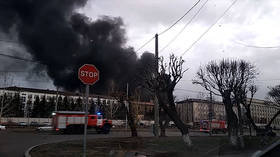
(28, 118)
(210, 113)
(156, 107)
(86, 121)
(127, 106)
(56, 103)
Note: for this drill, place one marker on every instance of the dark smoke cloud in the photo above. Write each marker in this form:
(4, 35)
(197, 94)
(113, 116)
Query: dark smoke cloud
(62, 40)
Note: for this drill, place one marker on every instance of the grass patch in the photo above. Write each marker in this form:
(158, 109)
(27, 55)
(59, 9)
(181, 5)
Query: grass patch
(152, 147)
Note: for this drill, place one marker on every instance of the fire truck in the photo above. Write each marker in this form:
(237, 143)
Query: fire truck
(215, 127)
(73, 122)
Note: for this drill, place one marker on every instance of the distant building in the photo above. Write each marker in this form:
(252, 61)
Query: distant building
(28, 97)
(262, 113)
(192, 111)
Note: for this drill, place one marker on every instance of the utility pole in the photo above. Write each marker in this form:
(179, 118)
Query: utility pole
(56, 102)
(210, 113)
(86, 121)
(156, 105)
(126, 106)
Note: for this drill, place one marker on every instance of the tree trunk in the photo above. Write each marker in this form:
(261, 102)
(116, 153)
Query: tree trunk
(163, 122)
(232, 120)
(240, 120)
(166, 98)
(179, 124)
(131, 121)
(249, 116)
(162, 130)
(250, 129)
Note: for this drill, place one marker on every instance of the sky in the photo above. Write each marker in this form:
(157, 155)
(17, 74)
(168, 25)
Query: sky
(248, 30)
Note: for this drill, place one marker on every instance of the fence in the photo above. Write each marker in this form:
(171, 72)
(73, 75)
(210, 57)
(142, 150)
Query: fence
(26, 120)
(49, 120)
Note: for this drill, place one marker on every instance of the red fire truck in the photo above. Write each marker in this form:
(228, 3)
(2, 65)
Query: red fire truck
(215, 127)
(73, 122)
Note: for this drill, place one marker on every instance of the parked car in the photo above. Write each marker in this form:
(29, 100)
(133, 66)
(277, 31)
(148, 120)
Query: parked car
(2, 127)
(44, 128)
(171, 124)
(34, 123)
(22, 124)
(46, 123)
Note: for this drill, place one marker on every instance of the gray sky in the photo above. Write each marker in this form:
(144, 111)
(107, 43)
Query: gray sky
(251, 22)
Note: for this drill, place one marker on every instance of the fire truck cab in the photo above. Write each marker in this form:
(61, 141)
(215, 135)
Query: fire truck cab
(73, 122)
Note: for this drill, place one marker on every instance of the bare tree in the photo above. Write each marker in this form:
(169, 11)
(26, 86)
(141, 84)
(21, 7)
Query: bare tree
(130, 112)
(9, 104)
(228, 79)
(274, 97)
(163, 85)
(247, 102)
(163, 122)
(111, 109)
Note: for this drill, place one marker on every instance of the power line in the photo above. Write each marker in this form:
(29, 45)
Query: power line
(210, 27)
(147, 42)
(176, 36)
(192, 91)
(167, 29)
(41, 81)
(18, 58)
(255, 46)
(257, 80)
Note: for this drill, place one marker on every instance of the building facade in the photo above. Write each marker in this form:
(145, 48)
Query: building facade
(192, 111)
(29, 95)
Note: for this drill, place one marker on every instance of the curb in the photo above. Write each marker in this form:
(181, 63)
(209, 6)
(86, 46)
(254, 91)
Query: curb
(27, 152)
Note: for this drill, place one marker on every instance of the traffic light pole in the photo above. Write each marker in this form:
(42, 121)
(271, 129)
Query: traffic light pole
(86, 121)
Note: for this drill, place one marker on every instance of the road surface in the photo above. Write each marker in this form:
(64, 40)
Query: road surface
(15, 143)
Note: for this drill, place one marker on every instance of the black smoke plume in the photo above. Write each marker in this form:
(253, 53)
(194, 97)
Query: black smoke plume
(63, 40)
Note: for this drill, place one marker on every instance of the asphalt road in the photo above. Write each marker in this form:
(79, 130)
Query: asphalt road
(15, 143)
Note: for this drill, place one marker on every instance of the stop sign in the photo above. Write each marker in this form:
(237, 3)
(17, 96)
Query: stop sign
(88, 74)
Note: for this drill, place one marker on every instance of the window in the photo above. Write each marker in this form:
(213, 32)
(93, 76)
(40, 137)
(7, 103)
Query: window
(23, 98)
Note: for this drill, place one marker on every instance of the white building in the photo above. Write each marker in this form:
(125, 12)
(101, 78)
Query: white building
(195, 110)
(28, 96)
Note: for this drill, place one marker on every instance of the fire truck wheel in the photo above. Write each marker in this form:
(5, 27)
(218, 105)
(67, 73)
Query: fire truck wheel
(106, 129)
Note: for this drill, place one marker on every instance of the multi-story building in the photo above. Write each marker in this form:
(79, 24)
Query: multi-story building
(192, 111)
(262, 112)
(29, 95)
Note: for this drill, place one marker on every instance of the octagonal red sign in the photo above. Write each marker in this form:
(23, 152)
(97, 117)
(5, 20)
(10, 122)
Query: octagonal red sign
(88, 74)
